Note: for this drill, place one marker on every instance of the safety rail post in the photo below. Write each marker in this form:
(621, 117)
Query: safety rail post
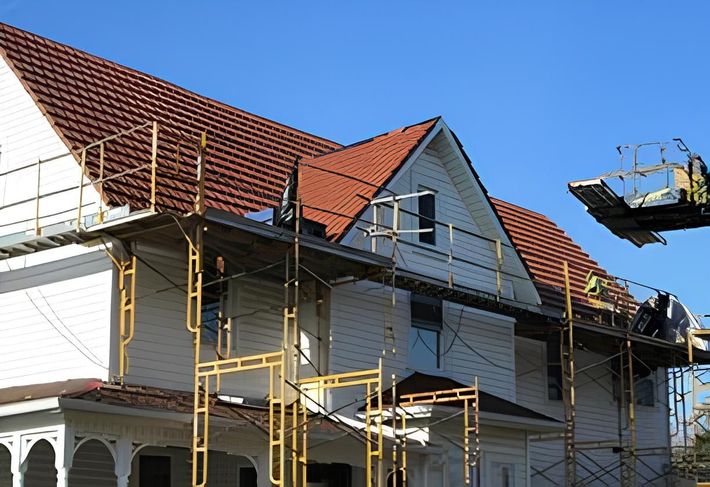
(201, 155)
(568, 392)
(451, 255)
(82, 168)
(470, 398)
(38, 232)
(499, 267)
(153, 164)
(371, 378)
(100, 214)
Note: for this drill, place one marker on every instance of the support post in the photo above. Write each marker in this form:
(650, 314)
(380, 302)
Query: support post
(499, 267)
(201, 154)
(154, 165)
(38, 232)
(628, 471)
(17, 466)
(81, 189)
(568, 393)
(200, 418)
(127, 311)
(451, 255)
(124, 456)
(100, 214)
(64, 455)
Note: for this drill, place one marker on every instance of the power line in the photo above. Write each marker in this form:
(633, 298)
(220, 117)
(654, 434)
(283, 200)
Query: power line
(95, 360)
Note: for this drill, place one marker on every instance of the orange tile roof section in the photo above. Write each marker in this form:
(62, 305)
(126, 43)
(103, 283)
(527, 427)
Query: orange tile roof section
(336, 187)
(87, 98)
(544, 247)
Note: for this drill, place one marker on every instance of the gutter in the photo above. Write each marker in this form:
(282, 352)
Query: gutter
(519, 422)
(32, 406)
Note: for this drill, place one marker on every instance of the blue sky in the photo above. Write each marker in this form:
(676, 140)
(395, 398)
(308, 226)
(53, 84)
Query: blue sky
(539, 92)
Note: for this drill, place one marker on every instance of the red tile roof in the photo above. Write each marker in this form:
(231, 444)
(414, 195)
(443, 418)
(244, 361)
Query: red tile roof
(87, 98)
(544, 247)
(336, 187)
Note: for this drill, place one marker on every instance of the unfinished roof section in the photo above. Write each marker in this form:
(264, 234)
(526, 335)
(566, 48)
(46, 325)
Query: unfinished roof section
(337, 187)
(544, 247)
(87, 98)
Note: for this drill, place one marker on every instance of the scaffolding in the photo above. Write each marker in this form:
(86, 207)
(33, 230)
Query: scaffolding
(291, 397)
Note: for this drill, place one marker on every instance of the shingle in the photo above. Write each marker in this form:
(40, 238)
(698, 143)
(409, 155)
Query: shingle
(89, 98)
(544, 247)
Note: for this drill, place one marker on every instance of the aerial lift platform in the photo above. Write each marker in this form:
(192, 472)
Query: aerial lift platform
(677, 198)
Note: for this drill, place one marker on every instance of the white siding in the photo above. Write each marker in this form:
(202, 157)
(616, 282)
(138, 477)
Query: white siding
(360, 312)
(25, 137)
(460, 202)
(597, 415)
(56, 321)
(161, 353)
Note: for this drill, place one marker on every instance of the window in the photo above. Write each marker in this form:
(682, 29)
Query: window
(554, 372)
(214, 299)
(210, 316)
(644, 387)
(503, 474)
(427, 215)
(154, 471)
(644, 391)
(425, 333)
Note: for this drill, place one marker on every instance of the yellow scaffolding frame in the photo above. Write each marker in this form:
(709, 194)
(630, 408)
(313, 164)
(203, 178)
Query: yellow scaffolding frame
(127, 270)
(469, 396)
(568, 388)
(367, 378)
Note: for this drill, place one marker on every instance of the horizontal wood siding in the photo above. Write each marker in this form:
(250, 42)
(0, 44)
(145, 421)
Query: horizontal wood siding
(460, 202)
(161, 353)
(596, 420)
(360, 312)
(56, 321)
(25, 137)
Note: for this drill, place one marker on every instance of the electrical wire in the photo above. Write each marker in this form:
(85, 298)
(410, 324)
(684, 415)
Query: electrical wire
(483, 357)
(95, 360)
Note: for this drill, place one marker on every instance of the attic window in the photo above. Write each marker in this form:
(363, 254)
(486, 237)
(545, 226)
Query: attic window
(427, 217)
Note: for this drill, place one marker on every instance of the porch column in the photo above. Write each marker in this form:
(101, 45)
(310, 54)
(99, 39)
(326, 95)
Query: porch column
(17, 466)
(64, 455)
(124, 457)
(262, 470)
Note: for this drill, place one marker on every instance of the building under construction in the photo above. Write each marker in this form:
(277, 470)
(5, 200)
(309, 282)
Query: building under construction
(195, 295)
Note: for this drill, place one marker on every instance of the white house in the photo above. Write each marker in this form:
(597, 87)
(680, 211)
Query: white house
(124, 197)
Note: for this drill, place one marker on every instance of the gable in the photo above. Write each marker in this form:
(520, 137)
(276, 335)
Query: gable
(27, 137)
(439, 165)
(86, 98)
(336, 187)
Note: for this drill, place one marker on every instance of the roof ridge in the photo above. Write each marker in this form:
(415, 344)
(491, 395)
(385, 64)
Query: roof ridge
(352, 145)
(524, 208)
(4, 25)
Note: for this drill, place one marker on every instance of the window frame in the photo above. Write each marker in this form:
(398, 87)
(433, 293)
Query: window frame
(428, 324)
(427, 221)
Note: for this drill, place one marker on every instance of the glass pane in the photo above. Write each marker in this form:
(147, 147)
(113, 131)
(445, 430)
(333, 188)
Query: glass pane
(427, 215)
(210, 321)
(423, 348)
